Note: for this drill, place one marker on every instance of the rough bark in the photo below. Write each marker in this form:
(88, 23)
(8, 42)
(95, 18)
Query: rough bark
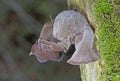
(89, 72)
(104, 16)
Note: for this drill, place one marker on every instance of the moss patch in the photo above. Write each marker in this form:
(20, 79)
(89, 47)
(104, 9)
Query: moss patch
(108, 32)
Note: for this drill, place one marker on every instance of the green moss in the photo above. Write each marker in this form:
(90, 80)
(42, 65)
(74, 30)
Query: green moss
(108, 17)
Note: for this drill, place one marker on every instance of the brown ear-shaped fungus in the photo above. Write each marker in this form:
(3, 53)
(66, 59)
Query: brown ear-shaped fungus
(45, 50)
(50, 46)
(47, 30)
(84, 52)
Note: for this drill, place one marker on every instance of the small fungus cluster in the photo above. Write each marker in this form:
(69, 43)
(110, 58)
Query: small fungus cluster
(69, 27)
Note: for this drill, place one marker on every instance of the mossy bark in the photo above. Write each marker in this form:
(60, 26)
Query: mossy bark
(104, 16)
(89, 72)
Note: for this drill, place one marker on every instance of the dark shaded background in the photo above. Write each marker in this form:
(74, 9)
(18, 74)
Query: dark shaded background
(20, 25)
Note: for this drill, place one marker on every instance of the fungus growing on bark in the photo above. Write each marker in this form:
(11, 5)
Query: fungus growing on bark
(46, 50)
(69, 27)
(84, 48)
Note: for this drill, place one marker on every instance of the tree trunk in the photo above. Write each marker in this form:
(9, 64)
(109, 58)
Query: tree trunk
(104, 16)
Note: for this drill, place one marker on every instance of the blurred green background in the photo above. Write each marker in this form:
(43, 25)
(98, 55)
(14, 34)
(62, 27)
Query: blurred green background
(20, 24)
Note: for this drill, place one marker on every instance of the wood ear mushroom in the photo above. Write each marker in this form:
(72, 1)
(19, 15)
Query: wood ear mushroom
(84, 52)
(45, 50)
(73, 25)
(69, 27)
